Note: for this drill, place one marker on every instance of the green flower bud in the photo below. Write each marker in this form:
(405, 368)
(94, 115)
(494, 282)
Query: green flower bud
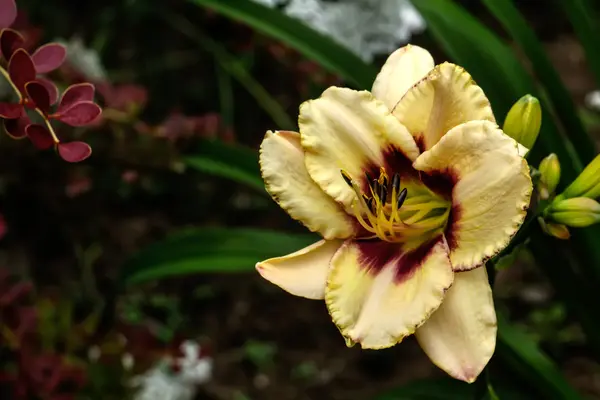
(524, 120)
(558, 231)
(577, 212)
(587, 183)
(549, 175)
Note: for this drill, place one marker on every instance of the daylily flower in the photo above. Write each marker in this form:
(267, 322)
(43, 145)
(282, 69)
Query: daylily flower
(413, 187)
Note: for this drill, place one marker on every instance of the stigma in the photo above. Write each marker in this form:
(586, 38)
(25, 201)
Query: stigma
(379, 209)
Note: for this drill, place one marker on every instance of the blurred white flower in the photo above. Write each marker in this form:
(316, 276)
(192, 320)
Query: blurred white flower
(85, 60)
(592, 100)
(160, 383)
(366, 27)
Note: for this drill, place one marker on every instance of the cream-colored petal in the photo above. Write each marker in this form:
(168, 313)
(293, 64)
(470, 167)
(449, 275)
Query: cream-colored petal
(303, 273)
(377, 294)
(403, 68)
(447, 97)
(491, 191)
(349, 130)
(287, 181)
(460, 336)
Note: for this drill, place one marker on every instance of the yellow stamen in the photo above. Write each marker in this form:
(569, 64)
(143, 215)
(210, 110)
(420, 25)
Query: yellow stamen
(402, 218)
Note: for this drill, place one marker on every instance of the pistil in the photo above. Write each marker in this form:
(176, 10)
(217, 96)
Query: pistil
(387, 212)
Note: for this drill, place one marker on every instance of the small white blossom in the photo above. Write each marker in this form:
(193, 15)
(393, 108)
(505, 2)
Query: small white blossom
(160, 383)
(85, 60)
(366, 27)
(592, 100)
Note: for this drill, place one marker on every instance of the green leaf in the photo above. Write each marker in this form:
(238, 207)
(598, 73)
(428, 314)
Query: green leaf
(584, 18)
(528, 362)
(235, 162)
(496, 69)
(312, 44)
(210, 250)
(236, 69)
(447, 389)
(559, 96)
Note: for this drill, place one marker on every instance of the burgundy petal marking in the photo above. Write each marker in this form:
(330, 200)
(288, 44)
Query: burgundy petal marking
(375, 254)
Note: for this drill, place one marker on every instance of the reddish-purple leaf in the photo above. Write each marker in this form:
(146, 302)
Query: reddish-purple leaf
(74, 151)
(10, 41)
(15, 128)
(8, 13)
(79, 114)
(10, 110)
(40, 136)
(39, 95)
(51, 88)
(21, 69)
(49, 57)
(75, 94)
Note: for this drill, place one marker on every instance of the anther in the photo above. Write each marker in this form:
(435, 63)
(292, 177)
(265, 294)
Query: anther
(396, 182)
(401, 198)
(346, 177)
(383, 193)
(369, 201)
(375, 186)
(369, 178)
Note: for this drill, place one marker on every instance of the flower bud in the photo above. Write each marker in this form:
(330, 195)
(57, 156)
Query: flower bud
(587, 183)
(577, 212)
(549, 175)
(524, 120)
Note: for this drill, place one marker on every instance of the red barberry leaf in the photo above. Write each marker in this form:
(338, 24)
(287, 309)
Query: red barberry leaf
(49, 57)
(51, 88)
(21, 69)
(39, 95)
(75, 94)
(40, 136)
(8, 13)
(15, 128)
(10, 41)
(79, 114)
(74, 151)
(10, 110)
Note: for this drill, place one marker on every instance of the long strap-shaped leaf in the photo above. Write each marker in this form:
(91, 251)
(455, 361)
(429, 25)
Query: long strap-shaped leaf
(506, 12)
(496, 69)
(523, 355)
(584, 18)
(294, 33)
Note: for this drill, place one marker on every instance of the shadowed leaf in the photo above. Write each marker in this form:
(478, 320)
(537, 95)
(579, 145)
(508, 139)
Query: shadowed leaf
(210, 250)
(39, 136)
(21, 69)
(10, 110)
(49, 57)
(15, 128)
(10, 41)
(51, 88)
(81, 113)
(76, 94)
(74, 151)
(8, 13)
(38, 94)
